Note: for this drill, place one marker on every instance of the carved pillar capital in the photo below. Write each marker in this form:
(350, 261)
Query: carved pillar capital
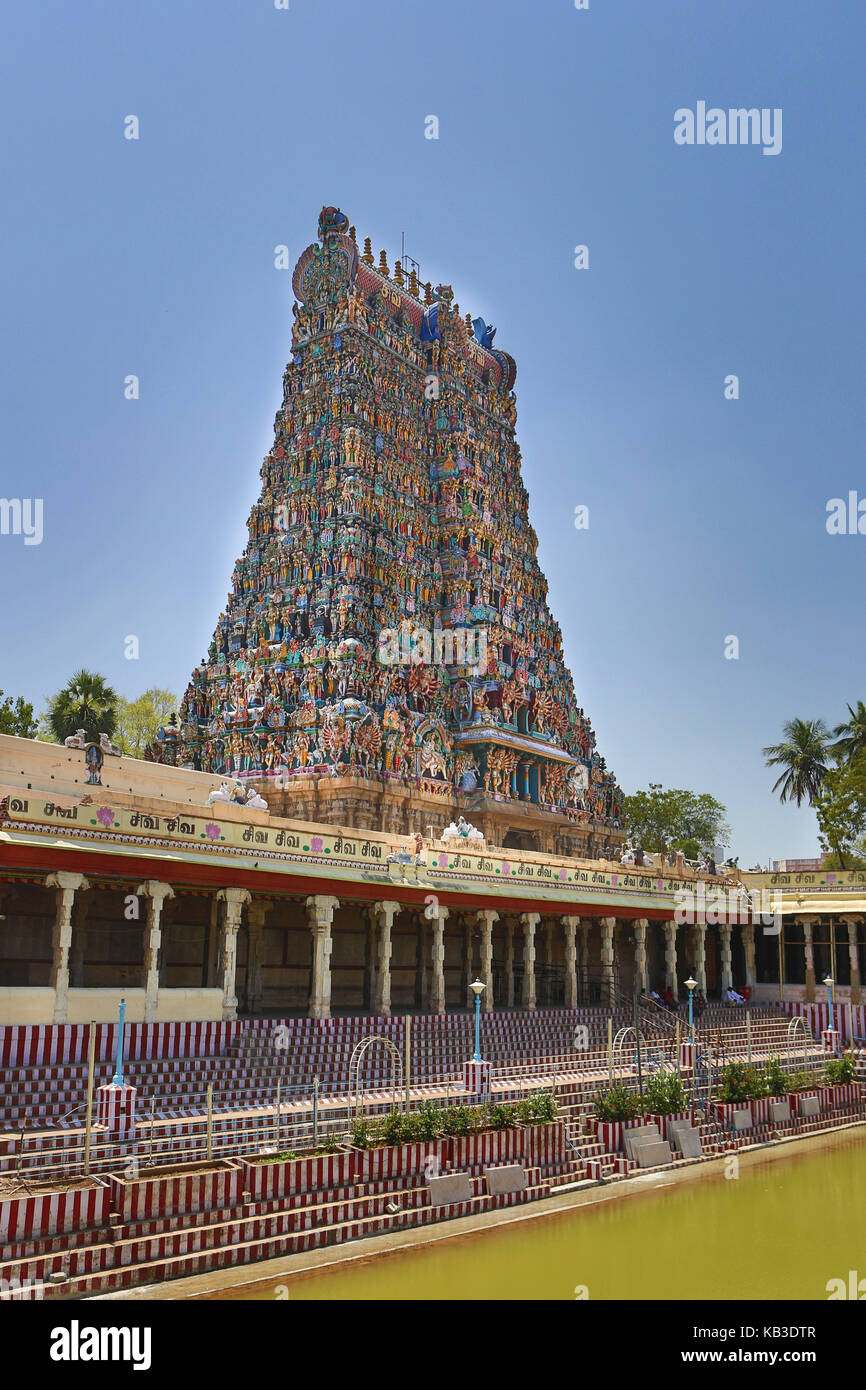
(66, 886)
(320, 916)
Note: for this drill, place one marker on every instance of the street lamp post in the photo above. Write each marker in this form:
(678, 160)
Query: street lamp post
(829, 983)
(118, 1070)
(690, 986)
(477, 988)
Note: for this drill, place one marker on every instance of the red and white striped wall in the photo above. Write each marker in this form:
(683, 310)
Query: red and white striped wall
(266, 1180)
(191, 1191)
(53, 1213)
(849, 1019)
(402, 1160)
(480, 1150)
(26, 1045)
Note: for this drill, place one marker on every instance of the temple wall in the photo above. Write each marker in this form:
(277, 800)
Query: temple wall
(27, 1005)
(101, 1005)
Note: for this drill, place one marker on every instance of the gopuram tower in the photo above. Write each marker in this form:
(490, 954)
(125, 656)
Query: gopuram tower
(386, 658)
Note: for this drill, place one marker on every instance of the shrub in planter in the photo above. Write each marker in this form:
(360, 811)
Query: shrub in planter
(460, 1121)
(397, 1128)
(740, 1082)
(801, 1081)
(840, 1070)
(425, 1123)
(777, 1081)
(664, 1094)
(617, 1102)
(499, 1117)
(360, 1133)
(542, 1108)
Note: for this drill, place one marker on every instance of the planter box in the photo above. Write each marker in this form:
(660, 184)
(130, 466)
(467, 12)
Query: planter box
(610, 1132)
(784, 1104)
(492, 1146)
(664, 1121)
(725, 1111)
(545, 1144)
(296, 1175)
(32, 1215)
(179, 1188)
(837, 1097)
(761, 1109)
(401, 1160)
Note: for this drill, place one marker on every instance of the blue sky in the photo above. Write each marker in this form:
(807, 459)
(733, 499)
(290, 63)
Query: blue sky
(156, 257)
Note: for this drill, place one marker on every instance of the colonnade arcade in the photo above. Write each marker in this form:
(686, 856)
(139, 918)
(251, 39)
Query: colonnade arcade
(319, 955)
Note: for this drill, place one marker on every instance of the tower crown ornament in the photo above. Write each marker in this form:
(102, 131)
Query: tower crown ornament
(387, 628)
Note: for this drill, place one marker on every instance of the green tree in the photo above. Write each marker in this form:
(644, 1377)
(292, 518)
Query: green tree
(674, 819)
(803, 757)
(17, 718)
(88, 703)
(841, 810)
(139, 719)
(851, 736)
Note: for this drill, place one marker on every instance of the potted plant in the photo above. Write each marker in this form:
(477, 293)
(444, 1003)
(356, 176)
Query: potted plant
(741, 1084)
(665, 1098)
(400, 1145)
(328, 1165)
(775, 1086)
(840, 1090)
(544, 1135)
(617, 1108)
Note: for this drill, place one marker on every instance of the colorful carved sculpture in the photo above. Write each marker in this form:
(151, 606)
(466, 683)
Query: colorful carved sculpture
(391, 501)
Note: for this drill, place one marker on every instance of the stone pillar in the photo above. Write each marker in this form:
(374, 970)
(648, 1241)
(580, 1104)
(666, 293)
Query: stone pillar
(810, 960)
(320, 915)
(233, 900)
(485, 919)
(438, 918)
(853, 958)
(256, 914)
(608, 926)
(640, 956)
(747, 934)
(570, 927)
(727, 975)
(155, 894)
(530, 921)
(509, 965)
(67, 886)
(671, 956)
(383, 915)
(700, 930)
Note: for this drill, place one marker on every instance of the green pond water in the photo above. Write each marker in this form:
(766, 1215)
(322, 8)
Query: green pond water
(782, 1229)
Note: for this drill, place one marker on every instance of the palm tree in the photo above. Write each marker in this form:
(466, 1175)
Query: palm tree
(851, 736)
(88, 703)
(803, 758)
